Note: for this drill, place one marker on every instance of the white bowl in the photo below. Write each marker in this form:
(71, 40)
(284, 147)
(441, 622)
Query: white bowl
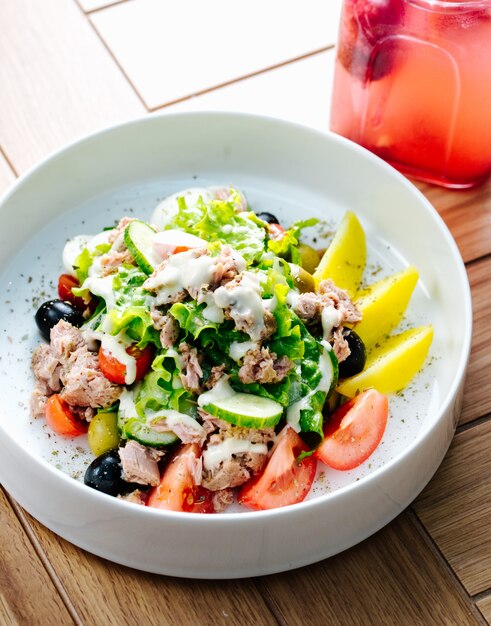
(285, 169)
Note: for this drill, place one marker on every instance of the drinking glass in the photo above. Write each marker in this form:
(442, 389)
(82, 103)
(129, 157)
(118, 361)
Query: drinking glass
(413, 84)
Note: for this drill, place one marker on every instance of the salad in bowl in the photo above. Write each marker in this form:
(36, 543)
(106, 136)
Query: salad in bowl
(213, 357)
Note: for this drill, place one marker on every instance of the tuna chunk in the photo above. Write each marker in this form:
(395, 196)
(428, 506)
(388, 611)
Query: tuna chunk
(139, 465)
(65, 339)
(136, 497)
(228, 264)
(237, 468)
(167, 325)
(340, 345)
(192, 372)
(68, 367)
(262, 366)
(83, 382)
(222, 499)
(114, 259)
(46, 369)
(340, 300)
(120, 228)
(332, 307)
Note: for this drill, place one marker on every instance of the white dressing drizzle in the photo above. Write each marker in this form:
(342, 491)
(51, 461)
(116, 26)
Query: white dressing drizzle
(127, 407)
(219, 392)
(244, 301)
(238, 349)
(217, 453)
(182, 271)
(211, 311)
(293, 412)
(171, 418)
(330, 318)
(116, 346)
(102, 287)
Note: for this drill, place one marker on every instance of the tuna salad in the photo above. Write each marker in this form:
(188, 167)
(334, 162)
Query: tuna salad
(201, 352)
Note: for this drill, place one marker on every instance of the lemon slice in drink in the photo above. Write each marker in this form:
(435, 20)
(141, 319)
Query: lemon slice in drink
(383, 305)
(391, 367)
(345, 258)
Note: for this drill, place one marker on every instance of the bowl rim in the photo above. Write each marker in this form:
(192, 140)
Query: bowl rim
(323, 135)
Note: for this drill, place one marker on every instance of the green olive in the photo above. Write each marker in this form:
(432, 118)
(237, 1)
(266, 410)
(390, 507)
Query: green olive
(303, 280)
(103, 432)
(309, 257)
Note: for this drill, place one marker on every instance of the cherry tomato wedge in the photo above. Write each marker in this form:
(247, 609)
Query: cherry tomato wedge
(284, 481)
(115, 371)
(276, 231)
(60, 418)
(66, 282)
(354, 431)
(178, 249)
(177, 490)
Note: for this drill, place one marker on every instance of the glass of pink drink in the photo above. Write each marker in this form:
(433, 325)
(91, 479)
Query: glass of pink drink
(413, 84)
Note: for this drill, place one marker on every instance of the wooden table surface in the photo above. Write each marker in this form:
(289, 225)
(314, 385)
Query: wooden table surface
(68, 68)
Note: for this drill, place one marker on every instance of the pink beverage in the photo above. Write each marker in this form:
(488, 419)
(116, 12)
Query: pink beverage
(413, 84)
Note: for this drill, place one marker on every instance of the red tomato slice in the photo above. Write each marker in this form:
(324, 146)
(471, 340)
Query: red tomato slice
(66, 282)
(177, 490)
(61, 419)
(354, 431)
(284, 481)
(115, 371)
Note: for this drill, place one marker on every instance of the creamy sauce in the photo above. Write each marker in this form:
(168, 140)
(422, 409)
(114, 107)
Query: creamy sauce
(330, 318)
(102, 287)
(239, 349)
(168, 418)
(182, 271)
(116, 346)
(219, 392)
(127, 407)
(244, 302)
(218, 453)
(293, 412)
(211, 311)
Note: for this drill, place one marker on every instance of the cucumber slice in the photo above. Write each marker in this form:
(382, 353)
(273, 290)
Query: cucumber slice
(247, 410)
(139, 237)
(139, 431)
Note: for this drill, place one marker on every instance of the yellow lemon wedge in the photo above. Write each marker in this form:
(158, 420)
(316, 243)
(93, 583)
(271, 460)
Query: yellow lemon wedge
(345, 258)
(391, 367)
(383, 305)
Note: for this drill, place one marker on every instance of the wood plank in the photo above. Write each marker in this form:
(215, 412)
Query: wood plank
(57, 82)
(477, 397)
(455, 507)
(467, 214)
(392, 578)
(27, 594)
(299, 92)
(484, 605)
(171, 50)
(105, 593)
(7, 176)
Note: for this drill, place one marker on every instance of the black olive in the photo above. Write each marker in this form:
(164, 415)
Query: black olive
(104, 474)
(268, 217)
(355, 363)
(51, 312)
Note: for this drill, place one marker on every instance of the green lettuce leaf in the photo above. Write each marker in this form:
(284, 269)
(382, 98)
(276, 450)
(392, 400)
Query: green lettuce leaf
(218, 221)
(286, 246)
